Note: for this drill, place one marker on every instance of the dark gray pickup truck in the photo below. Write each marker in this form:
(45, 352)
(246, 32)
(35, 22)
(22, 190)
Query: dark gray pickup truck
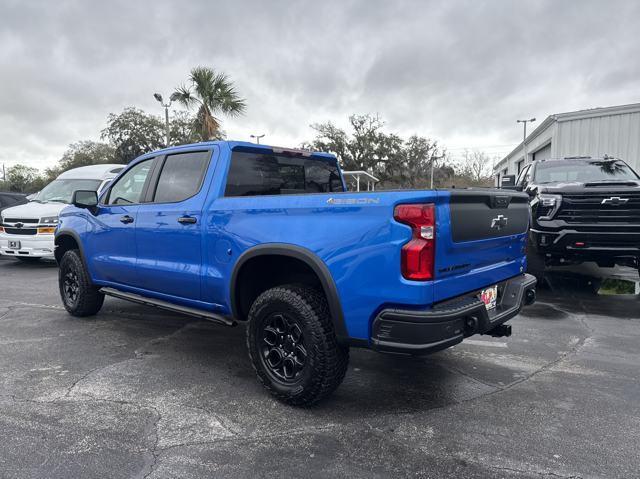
(582, 209)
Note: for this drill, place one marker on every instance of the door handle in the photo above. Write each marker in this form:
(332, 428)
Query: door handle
(126, 219)
(187, 220)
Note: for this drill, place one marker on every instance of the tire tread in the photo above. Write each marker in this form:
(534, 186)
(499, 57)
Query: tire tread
(332, 359)
(90, 298)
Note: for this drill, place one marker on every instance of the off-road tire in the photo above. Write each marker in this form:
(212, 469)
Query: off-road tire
(326, 361)
(87, 299)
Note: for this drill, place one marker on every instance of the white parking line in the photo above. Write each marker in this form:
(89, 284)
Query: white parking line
(480, 342)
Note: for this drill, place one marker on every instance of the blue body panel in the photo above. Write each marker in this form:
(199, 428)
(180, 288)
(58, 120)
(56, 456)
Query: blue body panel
(356, 237)
(112, 247)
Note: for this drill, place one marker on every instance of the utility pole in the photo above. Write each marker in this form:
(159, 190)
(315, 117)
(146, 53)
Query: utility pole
(166, 106)
(524, 138)
(257, 137)
(433, 161)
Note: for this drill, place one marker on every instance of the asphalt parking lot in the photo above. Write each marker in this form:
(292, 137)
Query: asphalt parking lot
(134, 392)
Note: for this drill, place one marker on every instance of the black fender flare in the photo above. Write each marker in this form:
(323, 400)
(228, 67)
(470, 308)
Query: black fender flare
(310, 259)
(76, 238)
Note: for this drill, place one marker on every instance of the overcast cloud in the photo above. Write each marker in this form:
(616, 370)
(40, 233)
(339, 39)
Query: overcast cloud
(460, 72)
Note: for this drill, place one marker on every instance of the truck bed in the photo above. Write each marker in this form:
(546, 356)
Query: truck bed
(356, 236)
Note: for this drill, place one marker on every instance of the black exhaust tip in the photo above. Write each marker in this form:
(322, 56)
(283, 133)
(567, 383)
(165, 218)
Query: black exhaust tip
(470, 326)
(530, 297)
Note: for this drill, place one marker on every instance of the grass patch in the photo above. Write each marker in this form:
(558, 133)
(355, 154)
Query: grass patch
(617, 286)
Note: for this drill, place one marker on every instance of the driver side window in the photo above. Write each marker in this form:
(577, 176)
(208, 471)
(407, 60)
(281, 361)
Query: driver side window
(128, 189)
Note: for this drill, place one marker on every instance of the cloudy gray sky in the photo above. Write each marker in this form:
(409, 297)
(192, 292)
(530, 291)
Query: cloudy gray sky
(460, 72)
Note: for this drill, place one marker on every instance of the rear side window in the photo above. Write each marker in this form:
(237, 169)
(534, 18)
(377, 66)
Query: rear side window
(181, 176)
(254, 174)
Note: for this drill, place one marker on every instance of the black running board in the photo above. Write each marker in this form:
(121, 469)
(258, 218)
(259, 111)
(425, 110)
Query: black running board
(158, 303)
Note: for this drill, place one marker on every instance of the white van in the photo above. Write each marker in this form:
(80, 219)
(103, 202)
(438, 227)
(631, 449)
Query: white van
(27, 230)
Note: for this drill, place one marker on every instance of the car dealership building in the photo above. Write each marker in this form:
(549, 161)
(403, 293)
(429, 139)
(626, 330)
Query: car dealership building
(613, 131)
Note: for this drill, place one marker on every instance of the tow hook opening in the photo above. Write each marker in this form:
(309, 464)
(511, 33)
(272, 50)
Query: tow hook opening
(500, 331)
(530, 297)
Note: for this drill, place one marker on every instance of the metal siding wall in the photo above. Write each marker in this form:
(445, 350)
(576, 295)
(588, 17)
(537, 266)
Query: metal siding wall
(615, 135)
(543, 153)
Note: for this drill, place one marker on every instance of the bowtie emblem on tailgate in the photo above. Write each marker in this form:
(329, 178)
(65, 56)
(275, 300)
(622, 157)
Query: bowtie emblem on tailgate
(499, 222)
(614, 201)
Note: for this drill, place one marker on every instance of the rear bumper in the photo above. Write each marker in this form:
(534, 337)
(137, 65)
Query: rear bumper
(448, 323)
(596, 243)
(35, 246)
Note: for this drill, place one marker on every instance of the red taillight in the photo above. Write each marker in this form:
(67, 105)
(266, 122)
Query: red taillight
(419, 253)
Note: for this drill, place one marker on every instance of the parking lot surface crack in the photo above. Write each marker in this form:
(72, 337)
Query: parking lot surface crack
(83, 377)
(468, 376)
(154, 449)
(249, 438)
(543, 474)
(139, 352)
(571, 352)
(21, 304)
(87, 398)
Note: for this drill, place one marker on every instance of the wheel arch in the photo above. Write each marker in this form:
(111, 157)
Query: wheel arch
(295, 253)
(66, 240)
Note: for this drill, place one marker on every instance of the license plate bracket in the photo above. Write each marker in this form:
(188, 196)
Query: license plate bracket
(489, 296)
(14, 244)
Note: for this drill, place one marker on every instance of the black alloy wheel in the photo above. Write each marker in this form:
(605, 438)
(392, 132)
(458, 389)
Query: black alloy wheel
(71, 286)
(283, 350)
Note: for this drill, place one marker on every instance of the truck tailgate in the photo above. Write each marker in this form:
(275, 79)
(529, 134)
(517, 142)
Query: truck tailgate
(481, 240)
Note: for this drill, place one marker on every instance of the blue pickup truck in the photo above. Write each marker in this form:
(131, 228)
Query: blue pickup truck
(238, 232)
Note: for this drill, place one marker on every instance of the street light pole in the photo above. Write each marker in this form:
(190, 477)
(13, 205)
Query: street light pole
(166, 106)
(257, 137)
(524, 138)
(166, 123)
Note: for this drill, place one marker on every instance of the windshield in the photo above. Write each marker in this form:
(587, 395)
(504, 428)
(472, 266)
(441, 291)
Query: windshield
(62, 190)
(583, 171)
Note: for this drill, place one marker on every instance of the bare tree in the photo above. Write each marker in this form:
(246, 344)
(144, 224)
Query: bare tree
(476, 166)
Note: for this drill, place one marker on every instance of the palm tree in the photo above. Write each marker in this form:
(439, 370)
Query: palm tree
(212, 93)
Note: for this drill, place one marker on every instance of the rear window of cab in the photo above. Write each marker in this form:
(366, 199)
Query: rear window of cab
(255, 174)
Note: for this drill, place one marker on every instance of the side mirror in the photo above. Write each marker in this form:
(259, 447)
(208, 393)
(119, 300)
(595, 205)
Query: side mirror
(508, 182)
(85, 199)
